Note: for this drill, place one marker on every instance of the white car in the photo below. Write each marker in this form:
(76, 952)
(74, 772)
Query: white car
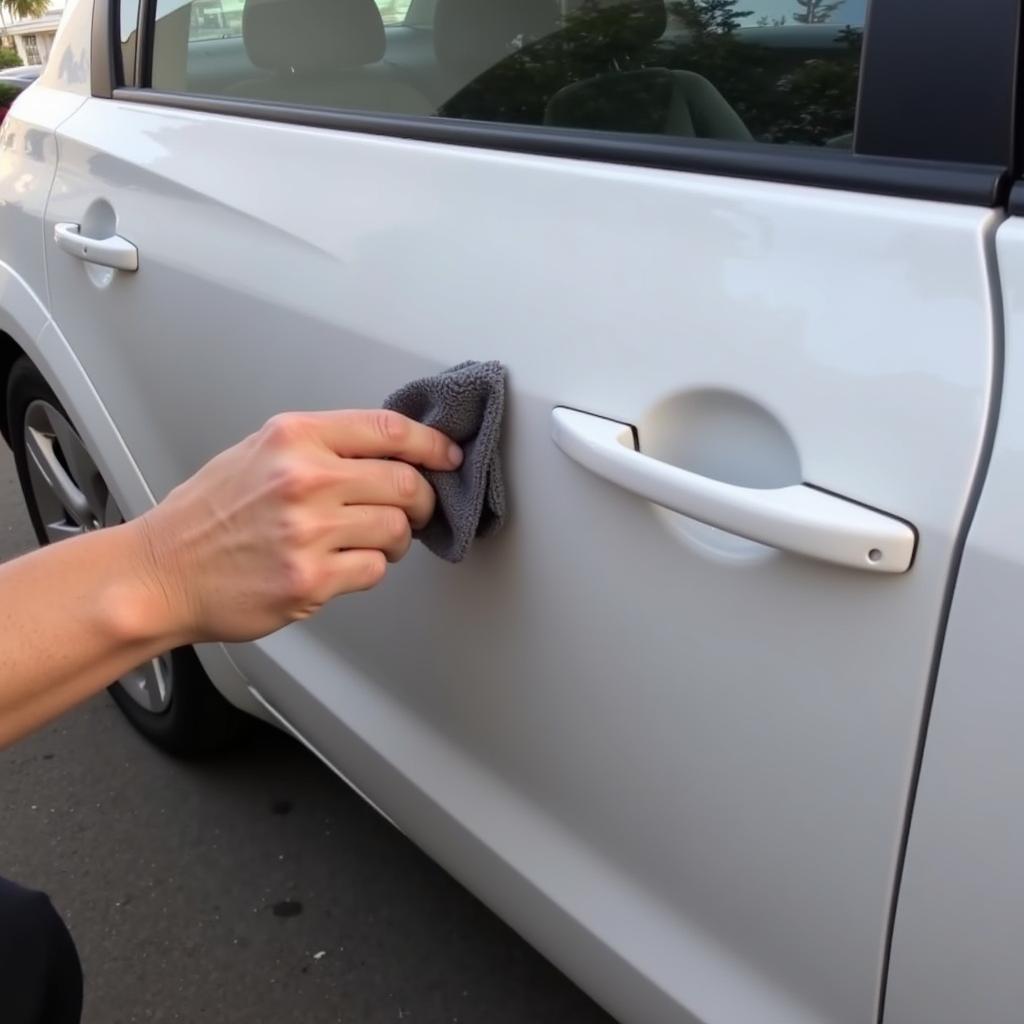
(728, 720)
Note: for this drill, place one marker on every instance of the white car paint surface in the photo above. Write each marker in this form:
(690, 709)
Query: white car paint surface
(960, 924)
(677, 761)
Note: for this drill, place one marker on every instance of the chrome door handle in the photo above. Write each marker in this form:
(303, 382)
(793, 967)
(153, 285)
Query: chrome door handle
(115, 251)
(797, 518)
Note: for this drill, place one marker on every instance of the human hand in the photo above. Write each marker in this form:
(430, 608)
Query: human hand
(311, 506)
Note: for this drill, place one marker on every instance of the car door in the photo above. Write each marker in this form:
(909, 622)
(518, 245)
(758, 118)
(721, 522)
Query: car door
(960, 916)
(676, 758)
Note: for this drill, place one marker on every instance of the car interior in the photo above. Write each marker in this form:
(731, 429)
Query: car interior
(607, 65)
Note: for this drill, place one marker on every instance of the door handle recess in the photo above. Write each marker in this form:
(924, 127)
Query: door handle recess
(797, 518)
(115, 251)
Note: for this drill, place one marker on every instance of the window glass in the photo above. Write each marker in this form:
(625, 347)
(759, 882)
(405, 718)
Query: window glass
(768, 71)
(215, 19)
(222, 19)
(394, 11)
(129, 13)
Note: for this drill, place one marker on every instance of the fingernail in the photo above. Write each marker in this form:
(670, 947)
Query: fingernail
(455, 455)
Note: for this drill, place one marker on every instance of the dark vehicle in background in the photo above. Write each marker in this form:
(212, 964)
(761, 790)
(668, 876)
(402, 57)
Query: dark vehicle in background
(14, 81)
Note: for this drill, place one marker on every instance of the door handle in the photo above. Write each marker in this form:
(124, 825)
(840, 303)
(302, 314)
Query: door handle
(115, 251)
(797, 518)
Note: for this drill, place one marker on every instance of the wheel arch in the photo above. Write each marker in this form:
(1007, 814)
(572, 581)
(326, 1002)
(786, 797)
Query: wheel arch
(27, 330)
(10, 353)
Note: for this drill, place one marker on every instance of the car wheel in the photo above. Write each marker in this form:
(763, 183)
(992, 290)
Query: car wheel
(170, 700)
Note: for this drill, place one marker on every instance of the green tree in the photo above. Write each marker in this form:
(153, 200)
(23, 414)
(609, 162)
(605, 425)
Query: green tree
(821, 95)
(742, 72)
(709, 16)
(804, 95)
(809, 101)
(816, 12)
(9, 57)
(26, 8)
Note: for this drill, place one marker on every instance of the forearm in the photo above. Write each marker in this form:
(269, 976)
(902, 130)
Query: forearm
(311, 506)
(75, 617)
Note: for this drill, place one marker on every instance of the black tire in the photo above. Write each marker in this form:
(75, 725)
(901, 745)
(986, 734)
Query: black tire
(198, 719)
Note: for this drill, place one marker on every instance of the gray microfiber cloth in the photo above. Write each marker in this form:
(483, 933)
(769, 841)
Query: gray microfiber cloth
(466, 403)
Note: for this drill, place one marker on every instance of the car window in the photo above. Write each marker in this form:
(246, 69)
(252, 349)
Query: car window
(756, 71)
(222, 19)
(129, 17)
(215, 19)
(394, 11)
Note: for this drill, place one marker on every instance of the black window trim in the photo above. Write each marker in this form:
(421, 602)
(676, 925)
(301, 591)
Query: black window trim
(928, 64)
(888, 158)
(959, 183)
(1015, 205)
(106, 44)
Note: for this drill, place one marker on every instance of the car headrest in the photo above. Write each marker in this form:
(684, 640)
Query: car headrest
(654, 101)
(312, 35)
(473, 35)
(627, 24)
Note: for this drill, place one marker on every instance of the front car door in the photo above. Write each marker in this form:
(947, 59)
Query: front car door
(677, 760)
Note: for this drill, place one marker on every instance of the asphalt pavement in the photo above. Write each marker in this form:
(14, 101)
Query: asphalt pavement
(253, 887)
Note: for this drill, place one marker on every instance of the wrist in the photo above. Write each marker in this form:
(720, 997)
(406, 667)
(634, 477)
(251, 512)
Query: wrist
(147, 603)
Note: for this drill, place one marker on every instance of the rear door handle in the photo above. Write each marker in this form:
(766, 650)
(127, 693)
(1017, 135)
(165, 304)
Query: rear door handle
(797, 518)
(115, 251)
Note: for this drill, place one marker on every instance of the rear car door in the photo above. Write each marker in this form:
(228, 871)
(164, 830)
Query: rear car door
(960, 917)
(677, 759)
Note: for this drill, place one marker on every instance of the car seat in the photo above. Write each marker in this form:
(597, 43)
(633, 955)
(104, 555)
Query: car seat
(652, 100)
(318, 53)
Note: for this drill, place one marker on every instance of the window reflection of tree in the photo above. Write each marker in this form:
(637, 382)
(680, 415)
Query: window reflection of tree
(786, 92)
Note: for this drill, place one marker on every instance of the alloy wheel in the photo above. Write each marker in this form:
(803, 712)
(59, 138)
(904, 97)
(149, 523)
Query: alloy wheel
(72, 498)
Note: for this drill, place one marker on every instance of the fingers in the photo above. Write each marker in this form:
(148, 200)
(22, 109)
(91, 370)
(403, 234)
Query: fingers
(319, 571)
(367, 458)
(376, 482)
(380, 527)
(378, 433)
(350, 571)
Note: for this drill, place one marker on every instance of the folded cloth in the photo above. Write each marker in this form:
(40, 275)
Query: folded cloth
(466, 403)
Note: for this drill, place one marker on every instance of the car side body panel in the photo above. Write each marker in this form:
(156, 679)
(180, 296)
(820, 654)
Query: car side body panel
(677, 763)
(698, 750)
(960, 919)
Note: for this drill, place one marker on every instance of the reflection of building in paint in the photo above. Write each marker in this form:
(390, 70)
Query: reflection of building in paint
(31, 37)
